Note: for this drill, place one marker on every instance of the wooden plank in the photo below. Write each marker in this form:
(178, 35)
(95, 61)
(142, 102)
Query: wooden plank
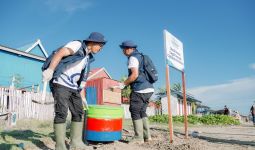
(111, 97)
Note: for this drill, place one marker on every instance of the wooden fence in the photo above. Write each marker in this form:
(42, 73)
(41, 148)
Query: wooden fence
(25, 104)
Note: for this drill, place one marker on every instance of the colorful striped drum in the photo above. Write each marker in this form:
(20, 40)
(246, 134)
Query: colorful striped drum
(104, 123)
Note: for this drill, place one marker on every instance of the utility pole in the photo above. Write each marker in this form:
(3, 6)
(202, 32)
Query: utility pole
(12, 84)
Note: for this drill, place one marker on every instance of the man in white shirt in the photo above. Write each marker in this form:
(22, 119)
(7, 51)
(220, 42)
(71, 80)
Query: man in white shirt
(67, 70)
(141, 91)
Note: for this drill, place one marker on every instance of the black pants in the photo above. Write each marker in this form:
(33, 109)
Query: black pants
(65, 98)
(138, 104)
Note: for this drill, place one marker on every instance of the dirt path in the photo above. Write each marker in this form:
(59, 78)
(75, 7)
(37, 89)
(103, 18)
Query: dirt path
(212, 138)
(230, 137)
(35, 135)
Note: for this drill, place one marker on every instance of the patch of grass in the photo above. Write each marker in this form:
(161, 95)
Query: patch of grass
(196, 120)
(30, 134)
(45, 125)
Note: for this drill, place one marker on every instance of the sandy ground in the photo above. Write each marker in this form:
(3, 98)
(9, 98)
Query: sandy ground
(212, 138)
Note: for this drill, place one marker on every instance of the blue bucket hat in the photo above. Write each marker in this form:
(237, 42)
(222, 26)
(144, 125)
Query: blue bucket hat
(128, 44)
(96, 37)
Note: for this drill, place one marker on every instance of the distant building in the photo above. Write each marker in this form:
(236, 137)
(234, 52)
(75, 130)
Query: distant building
(177, 105)
(22, 66)
(99, 88)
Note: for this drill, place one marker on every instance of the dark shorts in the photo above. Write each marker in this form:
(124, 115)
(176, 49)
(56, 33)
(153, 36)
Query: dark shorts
(65, 98)
(138, 104)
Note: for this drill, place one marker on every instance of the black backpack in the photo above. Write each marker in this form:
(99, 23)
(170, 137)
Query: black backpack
(150, 70)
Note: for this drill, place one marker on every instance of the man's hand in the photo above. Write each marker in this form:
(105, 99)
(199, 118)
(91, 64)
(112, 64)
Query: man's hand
(47, 75)
(85, 104)
(122, 85)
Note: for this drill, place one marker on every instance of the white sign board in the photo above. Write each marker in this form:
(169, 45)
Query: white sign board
(173, 51)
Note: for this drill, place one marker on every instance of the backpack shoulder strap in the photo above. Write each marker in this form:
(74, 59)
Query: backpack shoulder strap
(141, 67)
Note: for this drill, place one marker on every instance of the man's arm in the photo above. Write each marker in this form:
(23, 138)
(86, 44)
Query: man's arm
(83, 98)
(132, 77)
(48, 73)
(82, 87)
(63, 52)
(82, 93)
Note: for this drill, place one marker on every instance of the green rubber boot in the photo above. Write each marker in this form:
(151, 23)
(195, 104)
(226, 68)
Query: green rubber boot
(146, 130)
(138, 128)
(76, 136)
(60, 135)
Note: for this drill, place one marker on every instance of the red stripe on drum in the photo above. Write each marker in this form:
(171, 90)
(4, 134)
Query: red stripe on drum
(104, 125)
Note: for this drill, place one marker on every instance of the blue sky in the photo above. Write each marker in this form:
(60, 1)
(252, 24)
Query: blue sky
(218, 38)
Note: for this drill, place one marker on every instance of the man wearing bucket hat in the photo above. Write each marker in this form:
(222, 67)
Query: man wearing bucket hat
(67, 71)
(141, 91)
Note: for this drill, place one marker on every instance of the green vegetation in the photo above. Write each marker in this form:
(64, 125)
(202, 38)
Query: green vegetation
(127, 90)
(205, 120)
(177, 87)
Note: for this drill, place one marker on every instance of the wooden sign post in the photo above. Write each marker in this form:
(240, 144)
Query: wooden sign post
(168, 92)
(185, 106)
(174, 58)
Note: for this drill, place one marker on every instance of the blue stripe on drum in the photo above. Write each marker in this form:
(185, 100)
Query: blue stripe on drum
(102, 136)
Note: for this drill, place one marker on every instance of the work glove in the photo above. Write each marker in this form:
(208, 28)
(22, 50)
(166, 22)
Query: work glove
(85, 104)
(47, 75)
(120, 86)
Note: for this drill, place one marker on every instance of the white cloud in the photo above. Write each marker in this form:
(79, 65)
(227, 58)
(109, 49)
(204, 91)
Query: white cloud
(252, 66)
(237, 94)
(68, 5)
